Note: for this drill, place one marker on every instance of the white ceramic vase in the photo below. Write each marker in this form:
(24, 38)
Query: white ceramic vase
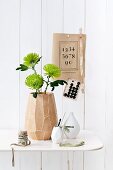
(73, 132)
(57, 135)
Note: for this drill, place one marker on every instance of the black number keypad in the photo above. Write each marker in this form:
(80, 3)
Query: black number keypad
(71, 89)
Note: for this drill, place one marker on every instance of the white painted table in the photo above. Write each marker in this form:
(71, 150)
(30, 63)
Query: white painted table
(92, 143)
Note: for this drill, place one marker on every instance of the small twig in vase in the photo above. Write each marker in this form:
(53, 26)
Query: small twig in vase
(59, 122)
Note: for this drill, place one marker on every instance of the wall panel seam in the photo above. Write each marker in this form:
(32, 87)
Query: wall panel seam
(19, 55)
(63, 16)
(19, 156)
(41, 35)
(105, 151)
(84, 82)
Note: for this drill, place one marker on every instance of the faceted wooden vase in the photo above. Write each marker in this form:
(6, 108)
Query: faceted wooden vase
(41, 116)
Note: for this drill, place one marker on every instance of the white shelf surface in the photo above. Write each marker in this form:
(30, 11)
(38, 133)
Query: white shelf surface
(92, 142)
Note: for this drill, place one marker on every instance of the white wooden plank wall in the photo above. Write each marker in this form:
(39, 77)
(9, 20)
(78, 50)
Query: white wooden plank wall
(52, 21)
(30, 41)
(95, 108)
(109, 87)
(27, 26)
(72, 24)
(9, 58)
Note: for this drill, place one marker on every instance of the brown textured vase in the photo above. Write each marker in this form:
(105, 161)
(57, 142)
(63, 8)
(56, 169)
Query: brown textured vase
(41, 116)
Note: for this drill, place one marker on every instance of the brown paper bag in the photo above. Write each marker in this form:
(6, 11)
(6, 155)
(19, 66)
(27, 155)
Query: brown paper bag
(69, 54)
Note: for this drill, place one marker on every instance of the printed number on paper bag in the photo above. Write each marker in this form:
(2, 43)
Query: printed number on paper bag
(68, 55)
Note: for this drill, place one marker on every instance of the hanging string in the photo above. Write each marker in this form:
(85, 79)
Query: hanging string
(13, 161)
(82, 74)
(22, 141)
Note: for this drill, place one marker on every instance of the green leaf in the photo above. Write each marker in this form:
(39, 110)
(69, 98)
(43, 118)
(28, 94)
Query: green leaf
(72, 145)
(22, 67)
(34, 81)
(34, 94)
(66, 129)
(57, 83)
(52, 70)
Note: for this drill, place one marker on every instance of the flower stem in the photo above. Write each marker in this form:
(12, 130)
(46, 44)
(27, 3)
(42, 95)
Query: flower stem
(47, 84)
(33, 68)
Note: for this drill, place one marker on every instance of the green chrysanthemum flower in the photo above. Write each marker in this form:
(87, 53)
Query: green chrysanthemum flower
(52, 70)
(34, 81)
(31, 59)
